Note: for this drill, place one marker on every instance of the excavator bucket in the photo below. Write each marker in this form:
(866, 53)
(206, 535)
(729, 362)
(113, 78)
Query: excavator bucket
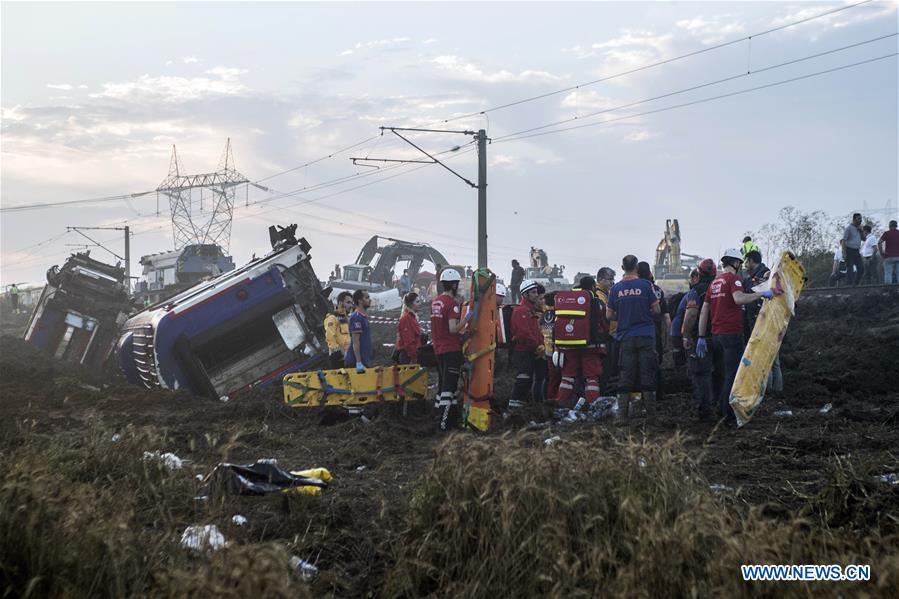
(346, 387)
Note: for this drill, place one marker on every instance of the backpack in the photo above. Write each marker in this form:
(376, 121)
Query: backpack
(580, 319)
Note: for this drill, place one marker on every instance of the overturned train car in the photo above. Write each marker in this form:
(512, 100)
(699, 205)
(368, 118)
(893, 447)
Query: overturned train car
(243, 329)
(79, 312)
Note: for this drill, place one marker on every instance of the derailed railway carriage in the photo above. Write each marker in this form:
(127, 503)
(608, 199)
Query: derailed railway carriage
(246, 328)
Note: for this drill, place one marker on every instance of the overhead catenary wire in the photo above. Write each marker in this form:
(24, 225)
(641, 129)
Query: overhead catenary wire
(705, 50)
(480, 112)
(525, 134)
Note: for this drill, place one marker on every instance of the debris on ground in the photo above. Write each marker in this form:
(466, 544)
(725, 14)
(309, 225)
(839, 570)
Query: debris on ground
(238, 520)
(261, 478)
(168, 459)
(307, 571)
(201, 538)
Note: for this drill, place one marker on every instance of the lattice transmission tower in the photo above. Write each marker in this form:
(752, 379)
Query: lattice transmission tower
(191, 224)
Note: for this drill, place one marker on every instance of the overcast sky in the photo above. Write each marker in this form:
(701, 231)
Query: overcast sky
(94, 96)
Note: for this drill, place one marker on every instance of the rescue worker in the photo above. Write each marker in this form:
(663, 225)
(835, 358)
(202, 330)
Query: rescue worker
(608, 382)
(14, 298)
(722, 316)
(554, 373)
(515, 283)
(527, 343)
(446, 335)
(677, 321)
(662, 323)
(699, 367)
(889, 249)
(541, 365)
(408, 331)
(337, 330)
(749, 246)
(585, 360)
(360, 348)
(633, 303)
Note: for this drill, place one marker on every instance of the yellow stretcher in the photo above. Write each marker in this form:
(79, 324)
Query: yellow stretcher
(346, 387)
(787, 280)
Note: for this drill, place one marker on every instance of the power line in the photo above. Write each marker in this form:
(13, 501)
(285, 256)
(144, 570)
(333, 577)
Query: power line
(23, 207)
(317, 160)
(649, 66)
(524, 134)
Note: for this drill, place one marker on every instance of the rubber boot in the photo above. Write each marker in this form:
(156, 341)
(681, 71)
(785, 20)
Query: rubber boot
(624, 407)
(649, 401)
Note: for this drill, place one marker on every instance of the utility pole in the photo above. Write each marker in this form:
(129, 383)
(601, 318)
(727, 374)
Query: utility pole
(482, 198)
(480, 137)
(126, 258)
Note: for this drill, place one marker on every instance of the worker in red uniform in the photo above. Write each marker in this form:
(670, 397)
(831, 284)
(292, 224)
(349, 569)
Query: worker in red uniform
(447, 327)
(584, 359)
(527, 343)
(408, 331)
(722, 316)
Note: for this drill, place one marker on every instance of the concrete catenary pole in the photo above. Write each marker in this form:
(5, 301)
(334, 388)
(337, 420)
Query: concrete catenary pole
(128, 258)
(482, 198)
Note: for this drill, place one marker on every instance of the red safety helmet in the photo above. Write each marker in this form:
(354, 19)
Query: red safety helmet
(707, 268)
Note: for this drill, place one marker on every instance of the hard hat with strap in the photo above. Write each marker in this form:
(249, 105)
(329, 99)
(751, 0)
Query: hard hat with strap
(450, 275)
(527, 285)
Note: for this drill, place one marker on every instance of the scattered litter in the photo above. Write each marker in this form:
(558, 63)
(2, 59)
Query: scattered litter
(201, 498)
(304, 568)
(827, 407)
(116, 438)
(360, 468)
(87, 387)
(365, 419)
(604, 406)
(200, 477)
(388, 344)
(239, 520)
(224, 399)
(170, 460)
(270, 461)
(552, 440)
(719, 488)
(198, 538)
(783, 413)
(264, 477)
(891, 479)
(641, 462)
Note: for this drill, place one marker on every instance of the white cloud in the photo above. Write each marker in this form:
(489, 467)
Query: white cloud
(587, 100)
(375, 44)
(463, 69)
(82, 86)
(301, 121)
(859, 14)
(176, 89)
(190, 60)
(62, 86)
(638, 136)
(711, 30)
(430, 40)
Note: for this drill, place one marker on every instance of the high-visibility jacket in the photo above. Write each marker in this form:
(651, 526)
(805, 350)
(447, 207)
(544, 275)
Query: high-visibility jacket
(750, 246)
(604, 296)
(337, 331)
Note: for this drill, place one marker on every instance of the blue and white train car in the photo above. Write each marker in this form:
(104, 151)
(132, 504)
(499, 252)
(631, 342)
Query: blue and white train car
(242, 329)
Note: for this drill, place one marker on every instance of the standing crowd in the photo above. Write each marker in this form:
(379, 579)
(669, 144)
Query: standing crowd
(601, 338)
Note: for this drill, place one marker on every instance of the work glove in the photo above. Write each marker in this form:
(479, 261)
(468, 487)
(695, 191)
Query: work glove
(767, 293)
(701, 348)
(360, 367)
(540, 351)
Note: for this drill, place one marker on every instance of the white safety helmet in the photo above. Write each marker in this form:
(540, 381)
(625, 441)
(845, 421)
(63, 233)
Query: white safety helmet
(500, 290)
(527, 285)
(450, 275)
(732, 253)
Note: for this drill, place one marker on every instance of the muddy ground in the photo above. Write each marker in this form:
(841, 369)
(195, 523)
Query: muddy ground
(841, 353)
